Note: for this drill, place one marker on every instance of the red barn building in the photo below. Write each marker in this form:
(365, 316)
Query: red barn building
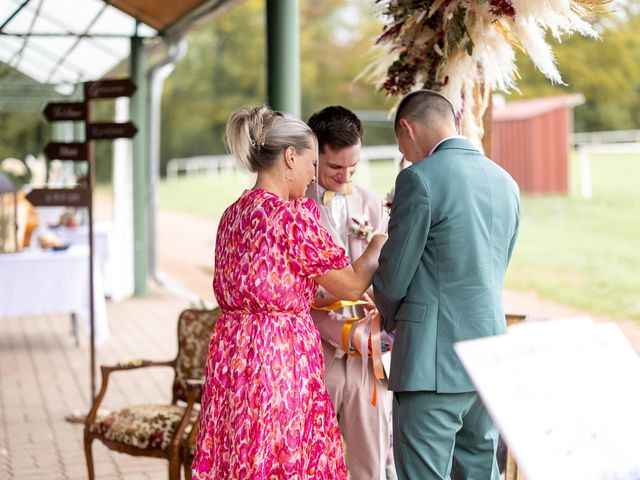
(531, 141)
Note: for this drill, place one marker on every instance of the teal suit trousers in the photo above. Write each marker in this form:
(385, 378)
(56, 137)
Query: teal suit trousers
(431, 430)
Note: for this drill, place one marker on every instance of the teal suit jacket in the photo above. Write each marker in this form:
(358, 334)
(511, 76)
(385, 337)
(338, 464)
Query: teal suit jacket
(454, 222)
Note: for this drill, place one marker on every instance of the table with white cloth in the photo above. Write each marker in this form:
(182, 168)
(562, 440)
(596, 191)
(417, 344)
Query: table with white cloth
(80, 236)
(36, 282)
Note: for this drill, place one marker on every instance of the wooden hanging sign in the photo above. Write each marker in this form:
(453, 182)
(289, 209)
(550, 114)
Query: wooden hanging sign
(66, 151)
(59, 197)
(65, 111)
(123, 87)
(109, 131)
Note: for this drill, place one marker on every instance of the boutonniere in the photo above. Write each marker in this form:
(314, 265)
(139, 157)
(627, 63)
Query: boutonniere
(388, 200)
(362, 229)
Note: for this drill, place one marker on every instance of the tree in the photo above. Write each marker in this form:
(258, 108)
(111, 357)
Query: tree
(23, 126)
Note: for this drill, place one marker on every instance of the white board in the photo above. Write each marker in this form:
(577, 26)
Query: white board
(566, 396)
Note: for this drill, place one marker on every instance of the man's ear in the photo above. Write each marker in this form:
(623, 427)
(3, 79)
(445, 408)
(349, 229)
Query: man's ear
(407, 127)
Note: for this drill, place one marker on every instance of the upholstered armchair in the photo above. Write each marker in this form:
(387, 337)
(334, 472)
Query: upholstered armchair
(157, 430)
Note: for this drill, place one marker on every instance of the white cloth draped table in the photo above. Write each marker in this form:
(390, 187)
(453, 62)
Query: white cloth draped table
(80, 236)
(36, 282)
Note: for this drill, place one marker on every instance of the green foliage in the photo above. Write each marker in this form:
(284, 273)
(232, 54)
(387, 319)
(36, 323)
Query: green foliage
(21, 133)
(224, 69)
(22, 127)
(606, 71)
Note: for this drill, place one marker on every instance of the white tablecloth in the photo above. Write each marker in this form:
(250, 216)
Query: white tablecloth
(36, 282)
(80, 236)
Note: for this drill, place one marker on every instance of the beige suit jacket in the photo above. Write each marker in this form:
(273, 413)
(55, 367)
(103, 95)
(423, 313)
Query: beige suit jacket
(361, 204)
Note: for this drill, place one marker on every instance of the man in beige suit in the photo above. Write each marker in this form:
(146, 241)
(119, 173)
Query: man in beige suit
(351, 214)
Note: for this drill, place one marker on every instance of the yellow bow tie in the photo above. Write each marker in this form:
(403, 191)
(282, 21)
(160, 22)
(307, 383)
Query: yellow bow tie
(328, 195)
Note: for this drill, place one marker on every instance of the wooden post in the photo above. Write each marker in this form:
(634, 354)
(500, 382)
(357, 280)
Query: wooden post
(90, 186)
(487, 124)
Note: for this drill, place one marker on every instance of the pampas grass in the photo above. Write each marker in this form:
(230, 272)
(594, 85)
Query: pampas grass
(465, 48)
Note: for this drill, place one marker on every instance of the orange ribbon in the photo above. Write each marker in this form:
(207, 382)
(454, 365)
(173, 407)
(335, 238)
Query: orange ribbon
(367, 332)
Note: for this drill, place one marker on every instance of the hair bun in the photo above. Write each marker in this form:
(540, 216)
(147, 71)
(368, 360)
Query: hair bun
(257, 135)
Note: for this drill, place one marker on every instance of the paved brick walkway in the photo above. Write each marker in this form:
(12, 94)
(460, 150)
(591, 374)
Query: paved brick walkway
(44, 377)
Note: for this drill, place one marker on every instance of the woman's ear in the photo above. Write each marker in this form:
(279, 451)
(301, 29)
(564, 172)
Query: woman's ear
(289, 156)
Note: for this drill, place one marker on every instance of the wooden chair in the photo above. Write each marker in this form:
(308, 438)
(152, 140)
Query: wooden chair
(157, 430)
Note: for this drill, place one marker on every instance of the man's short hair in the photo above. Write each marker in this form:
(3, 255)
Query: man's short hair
(425, 106)
(337, 127)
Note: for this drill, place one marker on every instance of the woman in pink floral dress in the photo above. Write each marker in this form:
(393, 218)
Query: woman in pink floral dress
(265, 411)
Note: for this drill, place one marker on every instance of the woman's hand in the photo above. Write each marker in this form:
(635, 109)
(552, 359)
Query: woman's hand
(351, 282)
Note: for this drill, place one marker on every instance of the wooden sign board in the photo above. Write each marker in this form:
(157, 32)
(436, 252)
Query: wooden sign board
(109, 89)
(108, 131)
(59, 197)
(66, 151)
(65, 111)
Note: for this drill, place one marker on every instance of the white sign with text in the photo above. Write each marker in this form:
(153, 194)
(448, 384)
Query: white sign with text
(566, 396)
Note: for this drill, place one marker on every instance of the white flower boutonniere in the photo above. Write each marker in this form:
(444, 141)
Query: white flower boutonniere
(362, 229)
(388, 200)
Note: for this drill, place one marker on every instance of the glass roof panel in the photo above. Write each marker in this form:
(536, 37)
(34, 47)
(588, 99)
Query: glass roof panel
(79, 59)
(112, 21)
(97, 60)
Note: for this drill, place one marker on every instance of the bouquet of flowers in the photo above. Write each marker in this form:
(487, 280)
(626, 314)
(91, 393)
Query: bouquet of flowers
(465, 48)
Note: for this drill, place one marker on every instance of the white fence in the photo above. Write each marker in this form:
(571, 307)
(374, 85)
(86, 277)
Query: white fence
(584, 165)
(614, 136)
(587, 143)
(213, 164)
(203, 164)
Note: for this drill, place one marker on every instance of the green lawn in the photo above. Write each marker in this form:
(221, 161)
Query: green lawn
(573, 251)
(584, 252)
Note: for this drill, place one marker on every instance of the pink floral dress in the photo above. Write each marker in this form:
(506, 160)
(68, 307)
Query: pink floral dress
(265, 411)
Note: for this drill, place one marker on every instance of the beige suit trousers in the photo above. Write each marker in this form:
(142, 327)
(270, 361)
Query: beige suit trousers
(365, 428)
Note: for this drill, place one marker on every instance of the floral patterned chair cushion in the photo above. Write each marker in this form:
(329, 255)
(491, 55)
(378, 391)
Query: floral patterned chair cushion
(142, 426)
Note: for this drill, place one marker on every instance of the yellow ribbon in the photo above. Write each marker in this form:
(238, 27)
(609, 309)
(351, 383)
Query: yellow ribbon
(368, 326)
(339, 304)
(346, 328)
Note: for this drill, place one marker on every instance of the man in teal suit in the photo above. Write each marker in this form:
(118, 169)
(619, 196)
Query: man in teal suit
(454, 222)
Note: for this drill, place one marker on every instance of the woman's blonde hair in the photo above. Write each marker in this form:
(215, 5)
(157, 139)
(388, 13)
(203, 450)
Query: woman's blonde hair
(257, 136)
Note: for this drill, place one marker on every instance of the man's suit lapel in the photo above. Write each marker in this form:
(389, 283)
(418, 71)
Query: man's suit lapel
(355, 209)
